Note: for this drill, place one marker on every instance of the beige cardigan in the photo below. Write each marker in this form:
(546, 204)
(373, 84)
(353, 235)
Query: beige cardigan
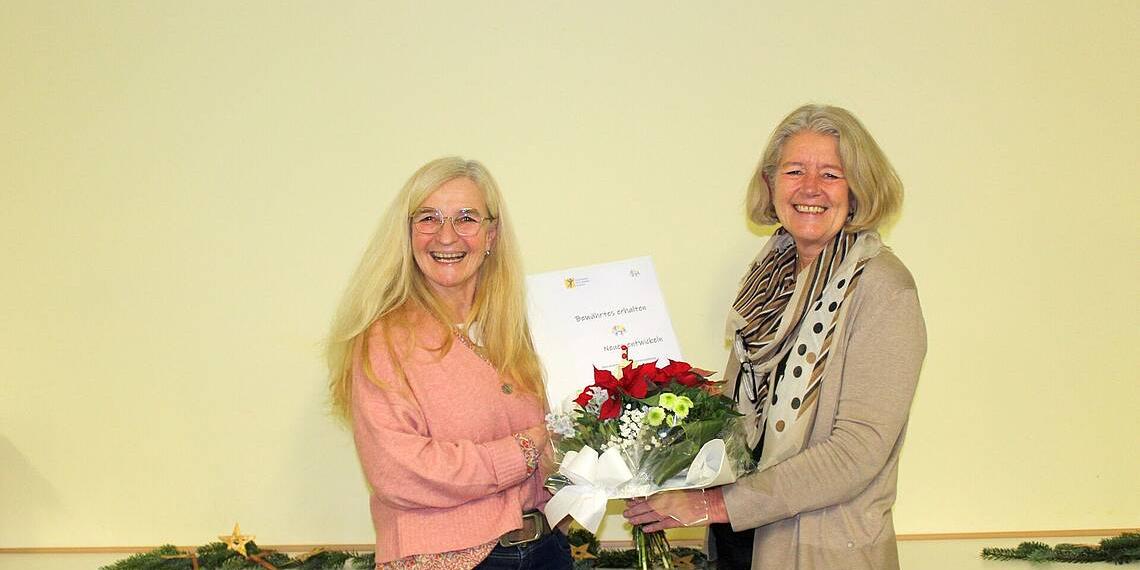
(829, 506)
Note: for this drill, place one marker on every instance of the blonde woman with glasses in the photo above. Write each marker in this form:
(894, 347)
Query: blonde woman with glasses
(431, 363)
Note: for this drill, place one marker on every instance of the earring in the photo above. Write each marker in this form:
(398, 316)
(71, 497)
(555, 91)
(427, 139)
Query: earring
(487, 253)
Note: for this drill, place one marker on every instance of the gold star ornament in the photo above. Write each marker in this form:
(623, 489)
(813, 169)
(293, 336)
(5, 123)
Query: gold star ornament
(237, 541)
(581, 552)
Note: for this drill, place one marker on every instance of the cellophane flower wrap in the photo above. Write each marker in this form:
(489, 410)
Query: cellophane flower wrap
(657, 420)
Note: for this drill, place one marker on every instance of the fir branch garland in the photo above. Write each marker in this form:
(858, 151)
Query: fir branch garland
(1123, 549)
(217, 556)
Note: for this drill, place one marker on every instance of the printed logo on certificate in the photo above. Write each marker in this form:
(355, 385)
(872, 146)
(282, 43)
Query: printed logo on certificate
(580, 318)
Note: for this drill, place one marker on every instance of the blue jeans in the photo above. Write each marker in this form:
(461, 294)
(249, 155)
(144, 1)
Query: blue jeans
(551, 552)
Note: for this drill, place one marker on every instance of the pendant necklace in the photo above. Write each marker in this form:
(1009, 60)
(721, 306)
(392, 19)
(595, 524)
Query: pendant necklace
(506, 387)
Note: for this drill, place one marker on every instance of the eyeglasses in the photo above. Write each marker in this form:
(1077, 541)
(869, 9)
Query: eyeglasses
(465, 222)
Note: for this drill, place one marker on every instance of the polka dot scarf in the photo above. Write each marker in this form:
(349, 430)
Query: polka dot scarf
(782, 325)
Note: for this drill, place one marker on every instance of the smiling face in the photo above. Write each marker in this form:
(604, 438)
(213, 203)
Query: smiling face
(810, 192)
(450, 262)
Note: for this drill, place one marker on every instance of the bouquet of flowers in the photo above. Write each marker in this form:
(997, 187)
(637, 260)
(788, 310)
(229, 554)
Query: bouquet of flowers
(646, 429)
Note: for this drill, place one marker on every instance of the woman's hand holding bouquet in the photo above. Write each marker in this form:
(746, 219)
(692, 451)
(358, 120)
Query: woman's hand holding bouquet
(647, 429)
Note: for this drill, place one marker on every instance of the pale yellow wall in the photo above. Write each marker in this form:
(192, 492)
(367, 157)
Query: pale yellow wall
(184, 188)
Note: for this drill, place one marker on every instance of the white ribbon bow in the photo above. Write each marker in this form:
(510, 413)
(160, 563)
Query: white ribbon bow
(594, 480)
(710, 467)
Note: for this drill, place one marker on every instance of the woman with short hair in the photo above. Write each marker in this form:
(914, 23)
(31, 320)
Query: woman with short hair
(828, 340)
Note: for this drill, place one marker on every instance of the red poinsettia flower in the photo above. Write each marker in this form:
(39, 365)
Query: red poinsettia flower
(584, 398)
(676, 367)
(683, 374)
(634, 384)
(605, 379)
(611, 409)
(651, 372)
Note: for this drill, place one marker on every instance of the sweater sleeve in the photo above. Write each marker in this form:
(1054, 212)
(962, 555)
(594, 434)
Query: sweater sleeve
(879, 377)
(407, 468)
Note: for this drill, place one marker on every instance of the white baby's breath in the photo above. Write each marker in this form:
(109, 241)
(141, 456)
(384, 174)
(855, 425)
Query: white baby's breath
(561, 424)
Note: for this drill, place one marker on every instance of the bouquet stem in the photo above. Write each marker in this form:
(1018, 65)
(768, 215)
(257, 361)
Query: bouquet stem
(652, 549)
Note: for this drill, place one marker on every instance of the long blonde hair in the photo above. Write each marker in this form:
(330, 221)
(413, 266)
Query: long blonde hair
(388, 280)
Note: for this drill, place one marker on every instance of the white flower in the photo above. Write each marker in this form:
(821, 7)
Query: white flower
(630, 424)
(561, 424)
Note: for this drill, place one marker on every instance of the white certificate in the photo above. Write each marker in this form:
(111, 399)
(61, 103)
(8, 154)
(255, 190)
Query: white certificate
(580, 318)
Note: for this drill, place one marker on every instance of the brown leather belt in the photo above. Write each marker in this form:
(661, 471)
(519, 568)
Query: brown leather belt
(534, 527)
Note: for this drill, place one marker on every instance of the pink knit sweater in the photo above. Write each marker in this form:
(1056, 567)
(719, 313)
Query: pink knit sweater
(445, 470)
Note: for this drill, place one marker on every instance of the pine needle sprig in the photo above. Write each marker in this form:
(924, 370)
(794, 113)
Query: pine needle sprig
(1123, 549)
(153, 560)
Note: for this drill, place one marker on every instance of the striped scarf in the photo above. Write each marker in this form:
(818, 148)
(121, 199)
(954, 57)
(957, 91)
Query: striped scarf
(783, 325)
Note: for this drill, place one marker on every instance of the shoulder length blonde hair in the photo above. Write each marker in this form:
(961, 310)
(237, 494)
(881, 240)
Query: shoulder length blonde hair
(388, 280)
(875, 187)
